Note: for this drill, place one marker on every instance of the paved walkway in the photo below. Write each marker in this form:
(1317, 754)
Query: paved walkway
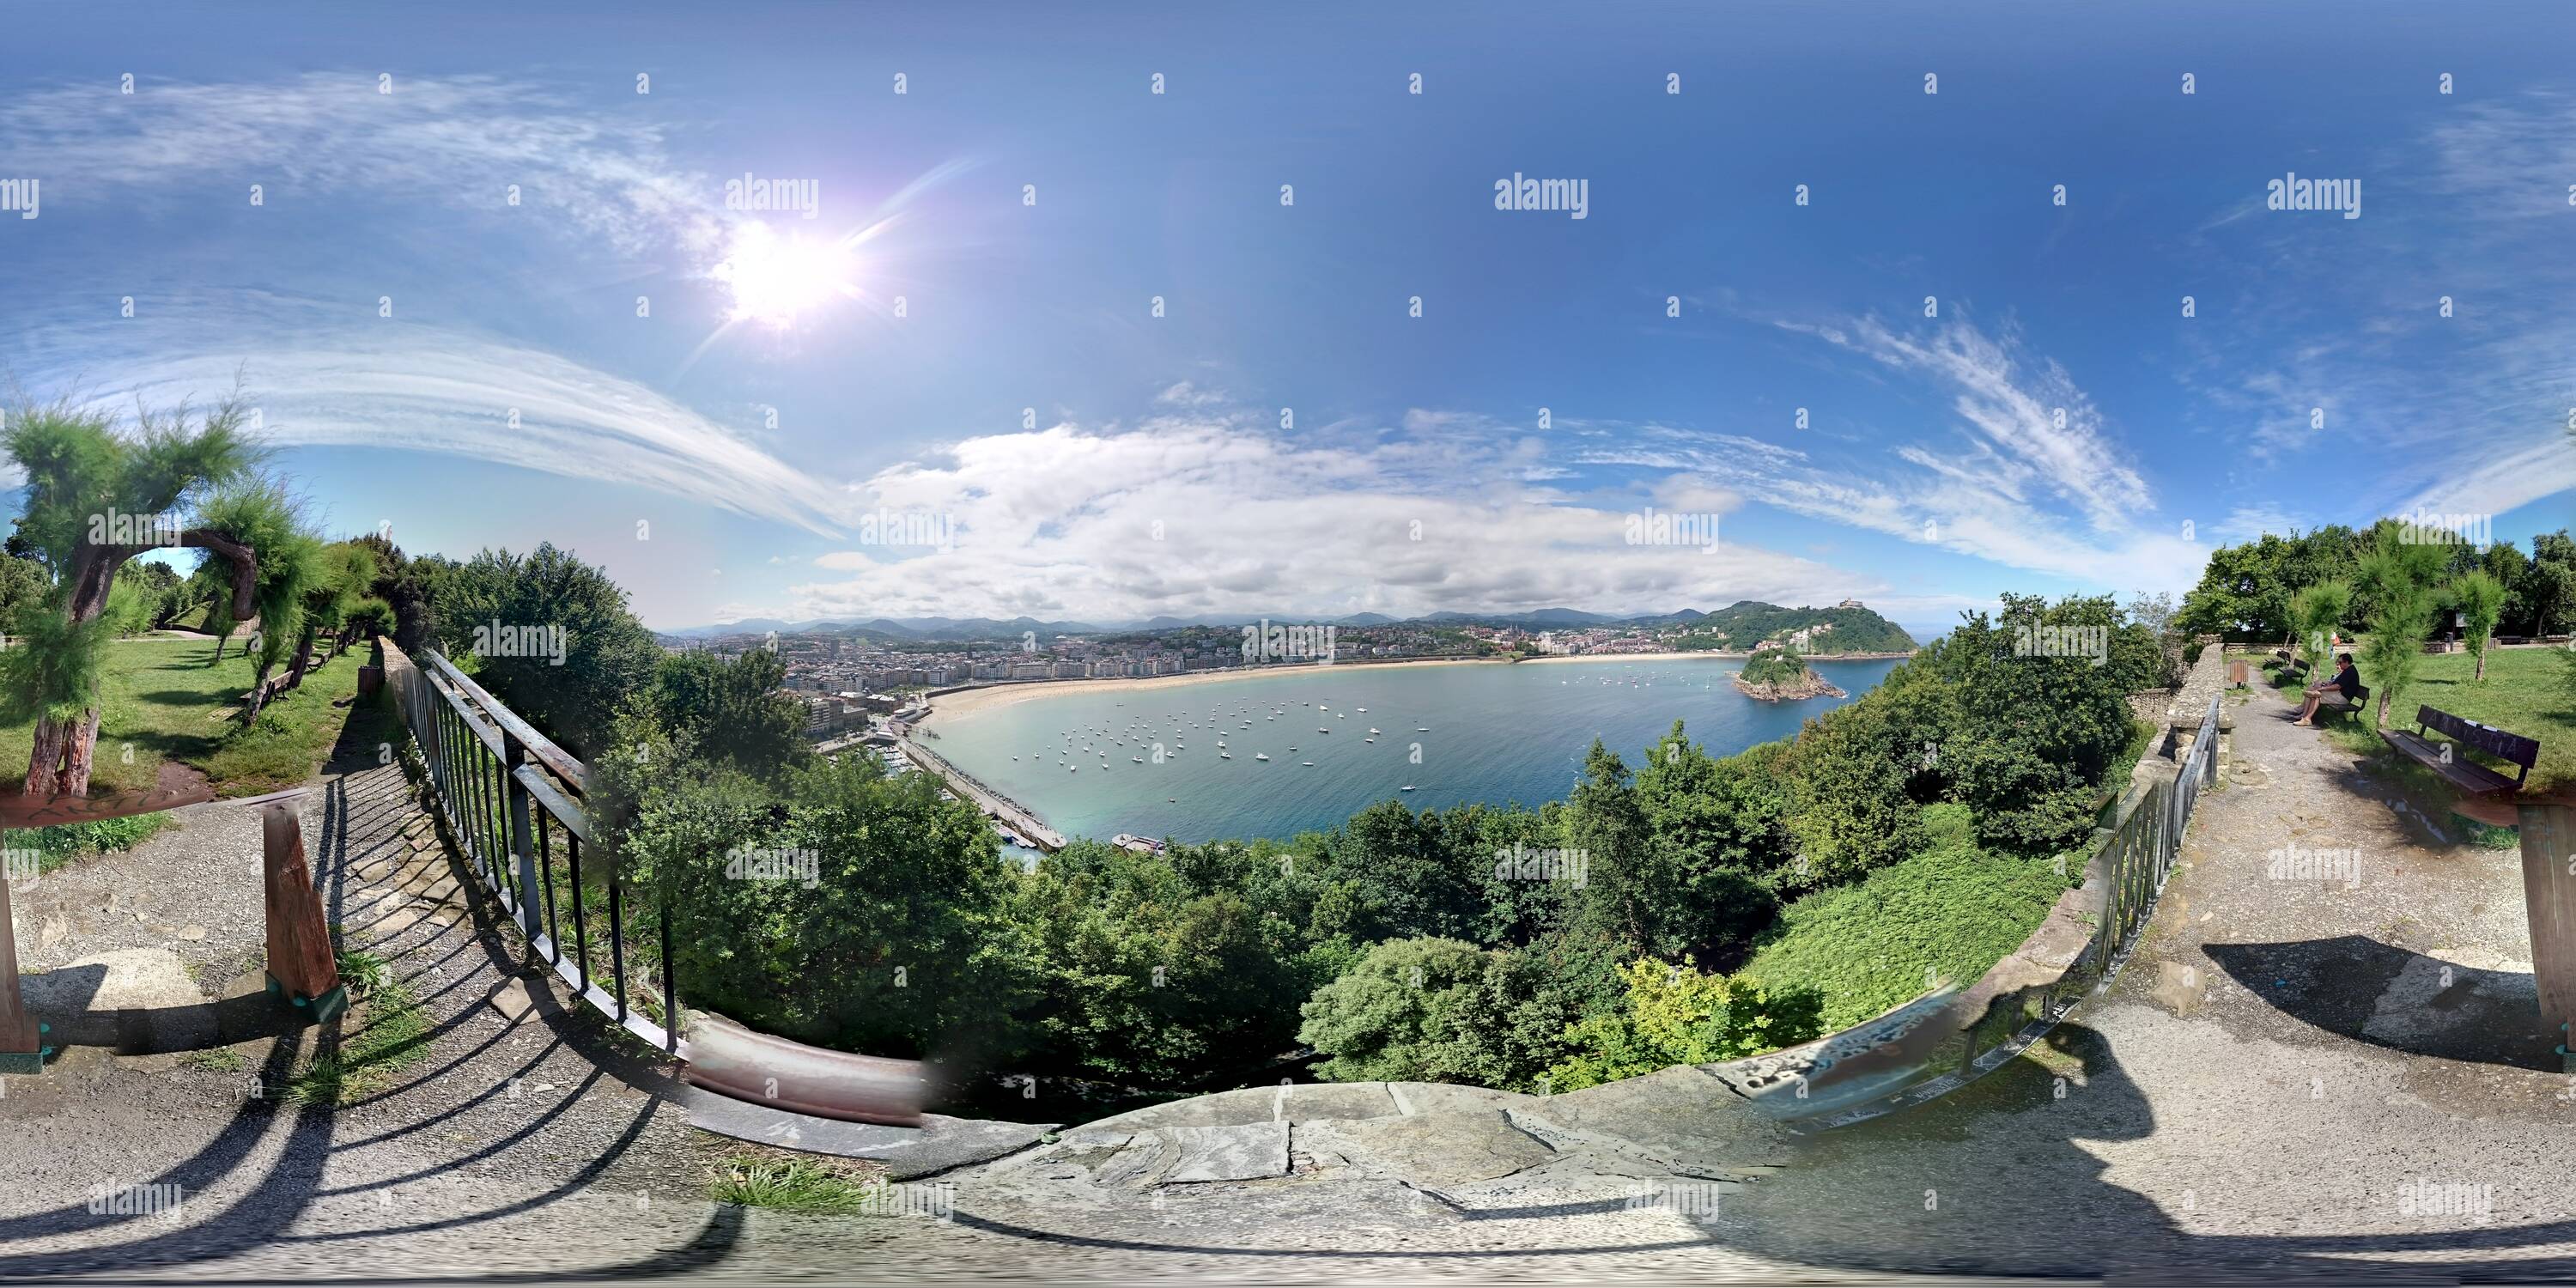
(2272, 1112)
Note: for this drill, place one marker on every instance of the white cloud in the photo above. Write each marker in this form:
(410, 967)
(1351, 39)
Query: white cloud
(458, 141)
(1063, 522)
(395, 385)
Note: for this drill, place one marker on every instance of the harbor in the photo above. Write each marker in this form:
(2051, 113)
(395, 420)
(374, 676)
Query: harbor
(1021, 825)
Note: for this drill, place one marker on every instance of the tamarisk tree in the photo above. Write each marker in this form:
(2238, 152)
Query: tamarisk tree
(94, 499)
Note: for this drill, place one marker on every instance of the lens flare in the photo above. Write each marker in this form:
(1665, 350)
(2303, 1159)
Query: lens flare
(777, 279)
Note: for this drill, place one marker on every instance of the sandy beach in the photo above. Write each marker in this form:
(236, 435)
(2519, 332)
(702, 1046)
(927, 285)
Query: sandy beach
(991, 696)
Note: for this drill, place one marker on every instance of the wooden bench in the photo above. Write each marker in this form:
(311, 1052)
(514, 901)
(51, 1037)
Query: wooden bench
(2355, 705)
(2482, 788)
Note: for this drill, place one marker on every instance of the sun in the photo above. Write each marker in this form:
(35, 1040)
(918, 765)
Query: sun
(776, 279)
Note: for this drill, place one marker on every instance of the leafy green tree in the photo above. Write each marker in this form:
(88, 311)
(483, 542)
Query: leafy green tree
(1142, 981)
(2315, 612)
(1677, 1015)
(841, 908)
(2480, 598)
(25, 589)
(2399, 576)
(733, 710)
(93, 500)
(1850, 808)
(258, 513)
(606, 653)
(1401, 1015)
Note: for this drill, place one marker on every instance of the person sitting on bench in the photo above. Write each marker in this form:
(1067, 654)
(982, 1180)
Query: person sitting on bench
(2345, 685)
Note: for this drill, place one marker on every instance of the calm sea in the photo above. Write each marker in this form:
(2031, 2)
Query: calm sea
(1456, 734)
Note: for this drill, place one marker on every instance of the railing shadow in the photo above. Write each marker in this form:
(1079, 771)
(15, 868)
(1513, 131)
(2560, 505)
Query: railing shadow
(288, 1188)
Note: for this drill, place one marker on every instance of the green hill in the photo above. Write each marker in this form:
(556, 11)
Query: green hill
(1747, 623)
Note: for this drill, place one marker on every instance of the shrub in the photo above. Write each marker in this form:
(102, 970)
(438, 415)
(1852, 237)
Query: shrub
(1677, 1015)
(1399, 1015)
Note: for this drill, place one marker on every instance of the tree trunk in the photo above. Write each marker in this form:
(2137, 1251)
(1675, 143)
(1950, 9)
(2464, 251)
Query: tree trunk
(2482, 664)
(303, 659)
(60, 763)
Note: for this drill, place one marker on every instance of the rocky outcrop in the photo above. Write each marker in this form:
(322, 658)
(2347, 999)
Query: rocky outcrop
(1807, 685)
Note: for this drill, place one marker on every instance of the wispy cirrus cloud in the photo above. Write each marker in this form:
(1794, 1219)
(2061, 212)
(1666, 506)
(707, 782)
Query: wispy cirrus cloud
(419, 388)
(460, 142)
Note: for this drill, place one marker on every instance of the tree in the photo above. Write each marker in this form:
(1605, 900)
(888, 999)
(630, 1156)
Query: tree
(732, 711)
(2481, 601)
(1400, 1015)
(2398, 576)
(2315, 612)
(95, 499)
(257, 512)
(1677, 1015)
(549, 635)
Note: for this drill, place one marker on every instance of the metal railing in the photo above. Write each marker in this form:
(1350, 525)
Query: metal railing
(1941, 1042)
(512, 800)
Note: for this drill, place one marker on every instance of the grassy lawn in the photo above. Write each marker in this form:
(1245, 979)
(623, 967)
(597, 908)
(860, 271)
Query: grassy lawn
(162, 702)
(2524, 692)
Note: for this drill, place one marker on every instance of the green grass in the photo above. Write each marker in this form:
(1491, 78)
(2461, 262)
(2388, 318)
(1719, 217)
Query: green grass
(385, 1035)
(160, 701)
(793, 1183)
(2524, 692)
(221, 1059)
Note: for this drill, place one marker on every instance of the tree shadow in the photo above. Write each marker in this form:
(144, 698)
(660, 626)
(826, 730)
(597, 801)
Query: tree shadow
(2359, 988)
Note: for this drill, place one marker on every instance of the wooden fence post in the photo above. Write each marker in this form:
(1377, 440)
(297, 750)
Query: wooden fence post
(2549, 896)
(22, 1047)
(301, 966)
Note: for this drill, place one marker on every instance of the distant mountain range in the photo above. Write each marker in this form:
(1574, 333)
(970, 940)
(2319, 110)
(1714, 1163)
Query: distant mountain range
(1855, 629)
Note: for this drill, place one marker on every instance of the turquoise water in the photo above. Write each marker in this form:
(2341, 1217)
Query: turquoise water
(1457, 734)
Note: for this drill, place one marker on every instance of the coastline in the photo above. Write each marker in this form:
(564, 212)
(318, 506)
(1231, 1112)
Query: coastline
(986, 697)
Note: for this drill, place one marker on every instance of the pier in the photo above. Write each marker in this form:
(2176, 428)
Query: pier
(1018, 817)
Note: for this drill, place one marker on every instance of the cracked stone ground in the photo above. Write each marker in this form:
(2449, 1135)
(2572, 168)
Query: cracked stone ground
(2277, 1061)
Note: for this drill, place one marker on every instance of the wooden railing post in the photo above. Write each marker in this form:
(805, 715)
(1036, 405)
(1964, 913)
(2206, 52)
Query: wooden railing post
(22, 1046)
(301, 965)
(2549, 895)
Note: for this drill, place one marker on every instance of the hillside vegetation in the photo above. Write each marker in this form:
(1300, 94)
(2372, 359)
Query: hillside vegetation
(1747, 623)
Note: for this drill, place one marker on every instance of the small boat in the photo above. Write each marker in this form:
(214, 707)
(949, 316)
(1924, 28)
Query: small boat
(1422, 728)
(1406, 788)
(1137, 759)
(1225, 755)
(1375, 729)
(1363, 710)
(1307, 763)
(1261, 755)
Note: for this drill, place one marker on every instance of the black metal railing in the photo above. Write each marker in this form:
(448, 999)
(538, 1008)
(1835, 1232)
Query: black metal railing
(512, 799)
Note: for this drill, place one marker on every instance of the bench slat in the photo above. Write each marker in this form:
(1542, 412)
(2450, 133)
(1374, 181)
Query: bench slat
(2460, 773)
(2500, 743)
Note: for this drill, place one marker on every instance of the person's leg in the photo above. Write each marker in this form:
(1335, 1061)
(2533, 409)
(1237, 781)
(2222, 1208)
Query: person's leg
(2308, 713)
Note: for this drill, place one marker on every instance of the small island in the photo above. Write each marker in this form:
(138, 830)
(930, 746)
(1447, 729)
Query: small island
(1780, 675)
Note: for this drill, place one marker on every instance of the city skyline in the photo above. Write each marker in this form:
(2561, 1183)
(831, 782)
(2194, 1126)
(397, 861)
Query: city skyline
(1101, 319)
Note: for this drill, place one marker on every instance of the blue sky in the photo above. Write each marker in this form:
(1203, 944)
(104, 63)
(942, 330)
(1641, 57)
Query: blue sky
(1287, 437)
